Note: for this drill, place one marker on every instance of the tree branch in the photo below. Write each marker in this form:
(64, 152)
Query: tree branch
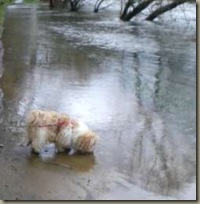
(166, 8)
(136, 10)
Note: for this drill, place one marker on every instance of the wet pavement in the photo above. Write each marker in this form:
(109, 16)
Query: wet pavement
(132, 83)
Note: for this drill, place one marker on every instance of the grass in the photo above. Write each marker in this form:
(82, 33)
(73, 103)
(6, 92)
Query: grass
(3, 4)
(31, 1)
(2, 12)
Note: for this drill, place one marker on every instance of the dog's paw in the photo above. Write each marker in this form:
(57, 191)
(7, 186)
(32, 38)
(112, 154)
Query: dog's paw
(71, 152)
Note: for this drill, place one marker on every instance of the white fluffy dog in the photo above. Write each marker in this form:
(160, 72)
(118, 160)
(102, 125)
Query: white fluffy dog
(44, 127)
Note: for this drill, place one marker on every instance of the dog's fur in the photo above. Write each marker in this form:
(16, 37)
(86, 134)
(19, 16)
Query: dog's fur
(44, 127)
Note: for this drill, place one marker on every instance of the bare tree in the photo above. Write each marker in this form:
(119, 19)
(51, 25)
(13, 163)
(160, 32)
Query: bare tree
(75, 4)
(58, 3)
(163, 9)
(99, 3)
(72, 5)
(131, 8)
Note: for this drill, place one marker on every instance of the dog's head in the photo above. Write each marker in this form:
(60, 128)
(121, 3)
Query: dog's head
(85, 142)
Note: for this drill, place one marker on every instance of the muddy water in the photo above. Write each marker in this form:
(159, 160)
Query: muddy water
(134, 84)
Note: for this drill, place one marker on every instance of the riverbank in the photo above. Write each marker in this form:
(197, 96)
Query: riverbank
(3, 5)
(2, 14)
(2, 11)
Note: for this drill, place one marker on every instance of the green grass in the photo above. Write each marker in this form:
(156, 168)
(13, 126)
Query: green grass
(3, 4)
(31, 1)
(2, 12)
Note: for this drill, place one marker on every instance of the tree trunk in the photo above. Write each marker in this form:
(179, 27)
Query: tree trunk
(165, 8)
(97, 5)
(51, 4)
(136, 10)
(74, 5)
(125, 11)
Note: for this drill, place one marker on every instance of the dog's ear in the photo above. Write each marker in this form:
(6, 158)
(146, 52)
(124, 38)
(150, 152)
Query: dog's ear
(85, 142)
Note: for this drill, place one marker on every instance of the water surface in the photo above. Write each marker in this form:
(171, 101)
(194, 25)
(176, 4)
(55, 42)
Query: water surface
(132, 83)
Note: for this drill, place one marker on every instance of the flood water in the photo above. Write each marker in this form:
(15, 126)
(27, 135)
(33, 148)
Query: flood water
(134, 84)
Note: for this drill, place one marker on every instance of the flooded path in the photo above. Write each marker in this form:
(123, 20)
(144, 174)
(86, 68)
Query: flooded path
(134, 84)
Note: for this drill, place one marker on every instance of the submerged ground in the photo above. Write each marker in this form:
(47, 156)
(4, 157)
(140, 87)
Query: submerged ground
(132, 83)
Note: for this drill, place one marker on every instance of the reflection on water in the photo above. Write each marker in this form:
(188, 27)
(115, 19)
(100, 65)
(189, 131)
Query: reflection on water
(132, 84)
(1, 73)
(77, 162)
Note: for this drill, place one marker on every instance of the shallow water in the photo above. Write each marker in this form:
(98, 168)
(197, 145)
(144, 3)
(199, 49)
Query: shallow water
(132, 83)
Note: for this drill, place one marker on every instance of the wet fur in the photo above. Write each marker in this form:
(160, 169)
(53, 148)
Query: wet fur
(42, 129)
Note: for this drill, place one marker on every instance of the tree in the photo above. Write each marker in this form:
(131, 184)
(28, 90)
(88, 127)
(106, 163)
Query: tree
(163, 9)
(99, 3)
(58, 3)
(72, 5)
(75, 4)
(131, 8)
